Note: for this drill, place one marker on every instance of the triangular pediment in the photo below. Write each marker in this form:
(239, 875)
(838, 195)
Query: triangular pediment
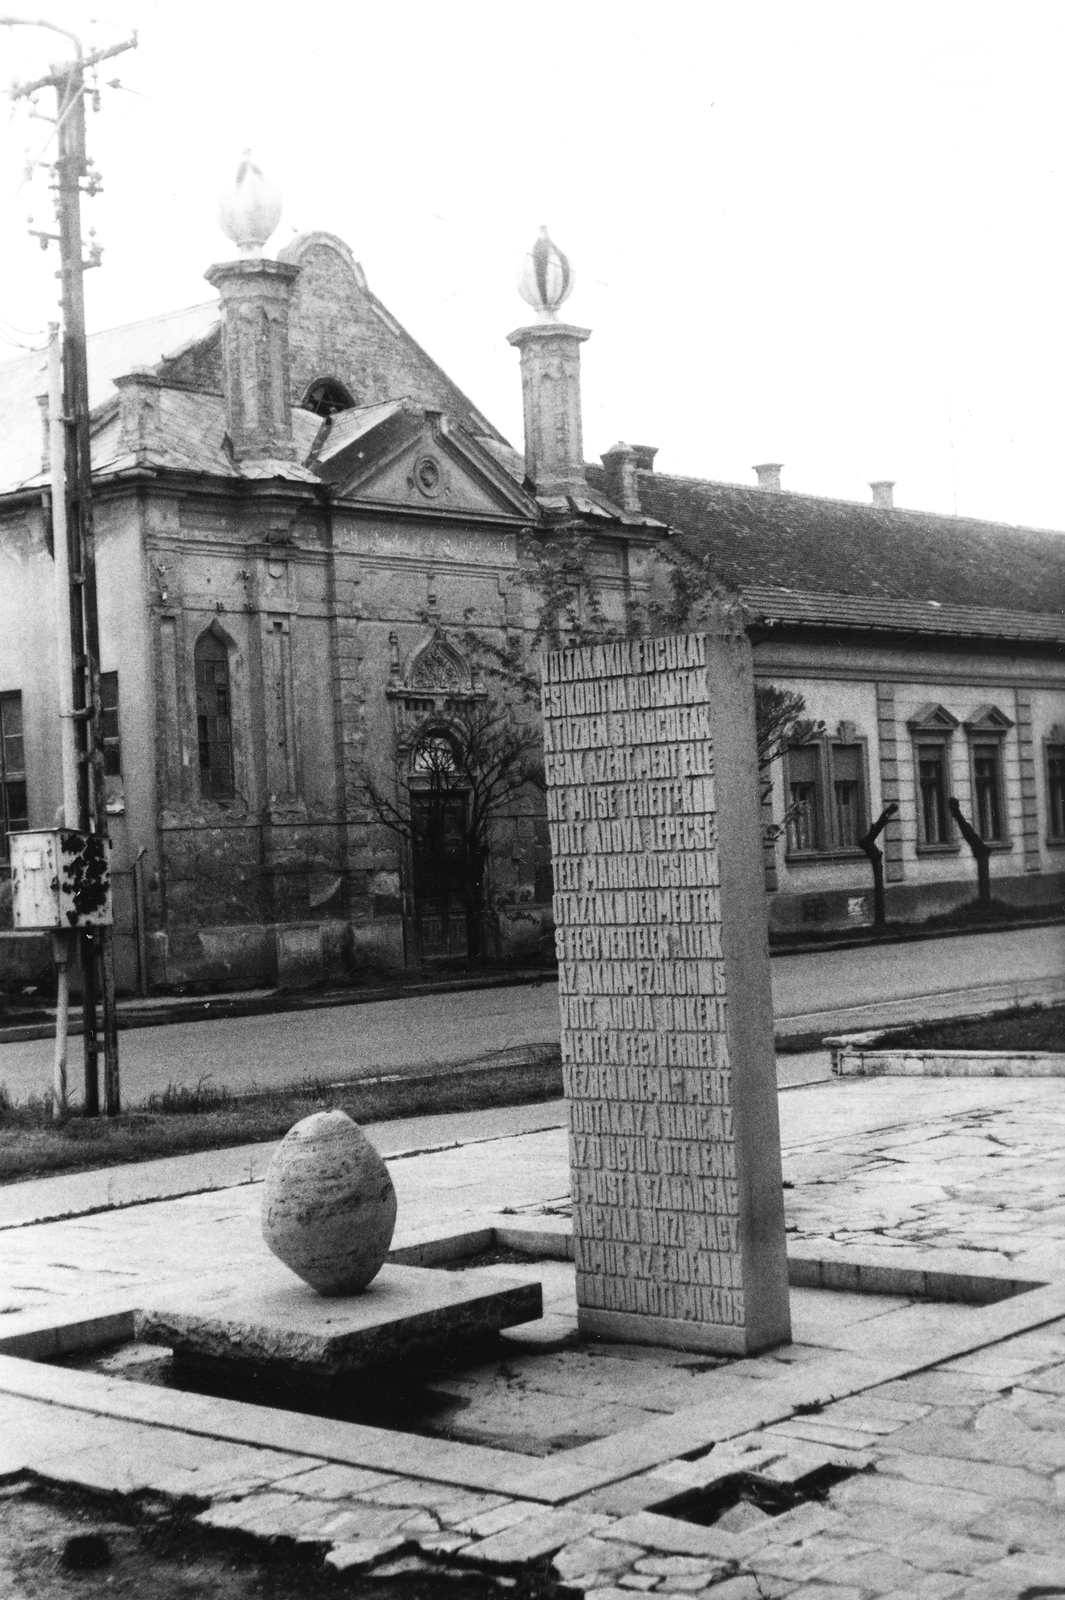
(988, 719)
(398, 455)
(932, 718)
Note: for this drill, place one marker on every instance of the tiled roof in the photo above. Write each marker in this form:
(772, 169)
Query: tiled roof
(119, 350)
(775, 606)
(773, 541)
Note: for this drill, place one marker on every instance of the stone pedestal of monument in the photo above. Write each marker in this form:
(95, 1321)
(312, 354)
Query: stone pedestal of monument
(666, 1009)
(267, 1319)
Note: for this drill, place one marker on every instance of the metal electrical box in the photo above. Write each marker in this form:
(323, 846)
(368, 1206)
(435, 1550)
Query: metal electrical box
(60, 879)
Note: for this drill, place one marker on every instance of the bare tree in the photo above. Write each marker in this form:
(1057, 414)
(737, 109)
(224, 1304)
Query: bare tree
(465, 773)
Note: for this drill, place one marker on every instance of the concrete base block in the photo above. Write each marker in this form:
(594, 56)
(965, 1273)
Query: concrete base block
(269, 1319)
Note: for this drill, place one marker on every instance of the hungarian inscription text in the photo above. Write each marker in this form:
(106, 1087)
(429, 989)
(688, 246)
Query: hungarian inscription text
(648, 1081)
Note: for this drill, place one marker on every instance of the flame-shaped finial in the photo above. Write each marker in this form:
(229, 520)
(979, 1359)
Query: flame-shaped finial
(546, 278)
(249, 208)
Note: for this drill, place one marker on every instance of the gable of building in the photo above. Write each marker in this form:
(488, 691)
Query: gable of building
(338, 329)
(401, 455)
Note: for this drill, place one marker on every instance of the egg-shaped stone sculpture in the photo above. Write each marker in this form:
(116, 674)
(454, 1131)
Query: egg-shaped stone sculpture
(329, 1207)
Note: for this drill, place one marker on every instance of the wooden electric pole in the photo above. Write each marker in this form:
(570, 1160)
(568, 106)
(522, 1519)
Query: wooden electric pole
(71, 168)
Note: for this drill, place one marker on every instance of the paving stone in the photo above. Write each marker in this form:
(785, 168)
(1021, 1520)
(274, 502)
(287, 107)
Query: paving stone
(801, 1462)
(1028, 1570)
(636, 1580)
(927, 1502)
(817, 1591)
(1035, 1524)
(442, 1542)
(1049, 1381)
(624, 1497)
(947, 1549)
(722, 1462)
(359, 1553)
(694, 1583)
(803, 1561)
(801, 1522)
(873, 1569)
(485, 1523)
(335, 1482)
(400, 1567)
(853, 1413)
(267, 1515)
(820, 1433)
(932, 1586)
(610, 1592)
(536, 1536)
(440, 1497)
(351, 1521)
(981, 1476)
(672, 1536)
(674, 1566)
(743, 1517)
(587, 1582)
(419, 1523)
(742, 1587)
(593, 1555)
(1004, 1442)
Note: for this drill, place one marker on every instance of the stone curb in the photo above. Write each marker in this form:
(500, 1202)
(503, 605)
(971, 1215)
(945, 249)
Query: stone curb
(848, 1062)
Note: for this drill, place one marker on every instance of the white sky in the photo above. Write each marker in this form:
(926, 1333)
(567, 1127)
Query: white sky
(825, 234)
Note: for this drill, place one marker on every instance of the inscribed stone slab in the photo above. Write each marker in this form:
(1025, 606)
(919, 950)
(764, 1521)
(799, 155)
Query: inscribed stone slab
(664, 990)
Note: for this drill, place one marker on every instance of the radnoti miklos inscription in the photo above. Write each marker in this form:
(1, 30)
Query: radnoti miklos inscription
(631, 814)
(655, 1148)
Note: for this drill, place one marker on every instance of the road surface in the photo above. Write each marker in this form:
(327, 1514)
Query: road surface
(842, 990)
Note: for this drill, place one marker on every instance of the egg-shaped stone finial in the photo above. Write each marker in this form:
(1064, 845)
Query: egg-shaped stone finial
(546, 278)
(249, 208)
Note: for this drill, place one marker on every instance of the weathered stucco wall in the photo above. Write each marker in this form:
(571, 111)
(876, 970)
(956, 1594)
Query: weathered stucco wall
(880, 689)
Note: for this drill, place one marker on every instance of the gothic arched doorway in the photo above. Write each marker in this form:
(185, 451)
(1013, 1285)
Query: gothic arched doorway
(440, 865)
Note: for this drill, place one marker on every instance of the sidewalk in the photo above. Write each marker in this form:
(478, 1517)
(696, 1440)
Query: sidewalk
(946, 1420)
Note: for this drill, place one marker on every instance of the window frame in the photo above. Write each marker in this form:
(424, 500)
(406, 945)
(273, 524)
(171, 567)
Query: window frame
(1054, 741)
(110, 743)
(16, 777)
(829, 845)
(987, 729)
(932, 727)
(226, 793)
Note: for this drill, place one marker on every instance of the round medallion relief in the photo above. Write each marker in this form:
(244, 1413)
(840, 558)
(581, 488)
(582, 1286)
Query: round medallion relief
(428, 476)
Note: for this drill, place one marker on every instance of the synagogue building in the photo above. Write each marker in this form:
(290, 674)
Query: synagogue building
(299, 520)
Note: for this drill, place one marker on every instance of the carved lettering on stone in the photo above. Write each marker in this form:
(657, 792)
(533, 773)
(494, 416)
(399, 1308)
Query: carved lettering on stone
(656, 1151)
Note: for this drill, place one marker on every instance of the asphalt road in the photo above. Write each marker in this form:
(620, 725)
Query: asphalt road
(831, 991)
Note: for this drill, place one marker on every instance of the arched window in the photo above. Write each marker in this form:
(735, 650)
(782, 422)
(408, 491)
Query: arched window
(214, 726)
(436, 755)
(327, 396)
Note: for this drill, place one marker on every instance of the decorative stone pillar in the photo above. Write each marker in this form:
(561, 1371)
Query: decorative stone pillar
(255, 302)
(550, 374)
(551, 400)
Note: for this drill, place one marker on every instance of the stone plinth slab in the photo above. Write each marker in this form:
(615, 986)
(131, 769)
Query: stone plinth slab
(266, 1319)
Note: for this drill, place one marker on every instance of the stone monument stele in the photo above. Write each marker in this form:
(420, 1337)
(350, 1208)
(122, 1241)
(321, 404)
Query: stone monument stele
(667, 1017)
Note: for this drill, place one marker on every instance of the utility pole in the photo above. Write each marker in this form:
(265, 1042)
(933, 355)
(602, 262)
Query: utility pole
(71, 167)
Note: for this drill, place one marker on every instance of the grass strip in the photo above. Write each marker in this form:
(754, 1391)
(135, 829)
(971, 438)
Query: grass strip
(1041, 1028)
(207, 1116)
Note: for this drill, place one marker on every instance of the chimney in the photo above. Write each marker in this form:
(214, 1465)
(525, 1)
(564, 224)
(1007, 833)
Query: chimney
(645, 457)
(620, 463)
(255, 295)
(769, 475)
(883, 495)
(550, 375)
